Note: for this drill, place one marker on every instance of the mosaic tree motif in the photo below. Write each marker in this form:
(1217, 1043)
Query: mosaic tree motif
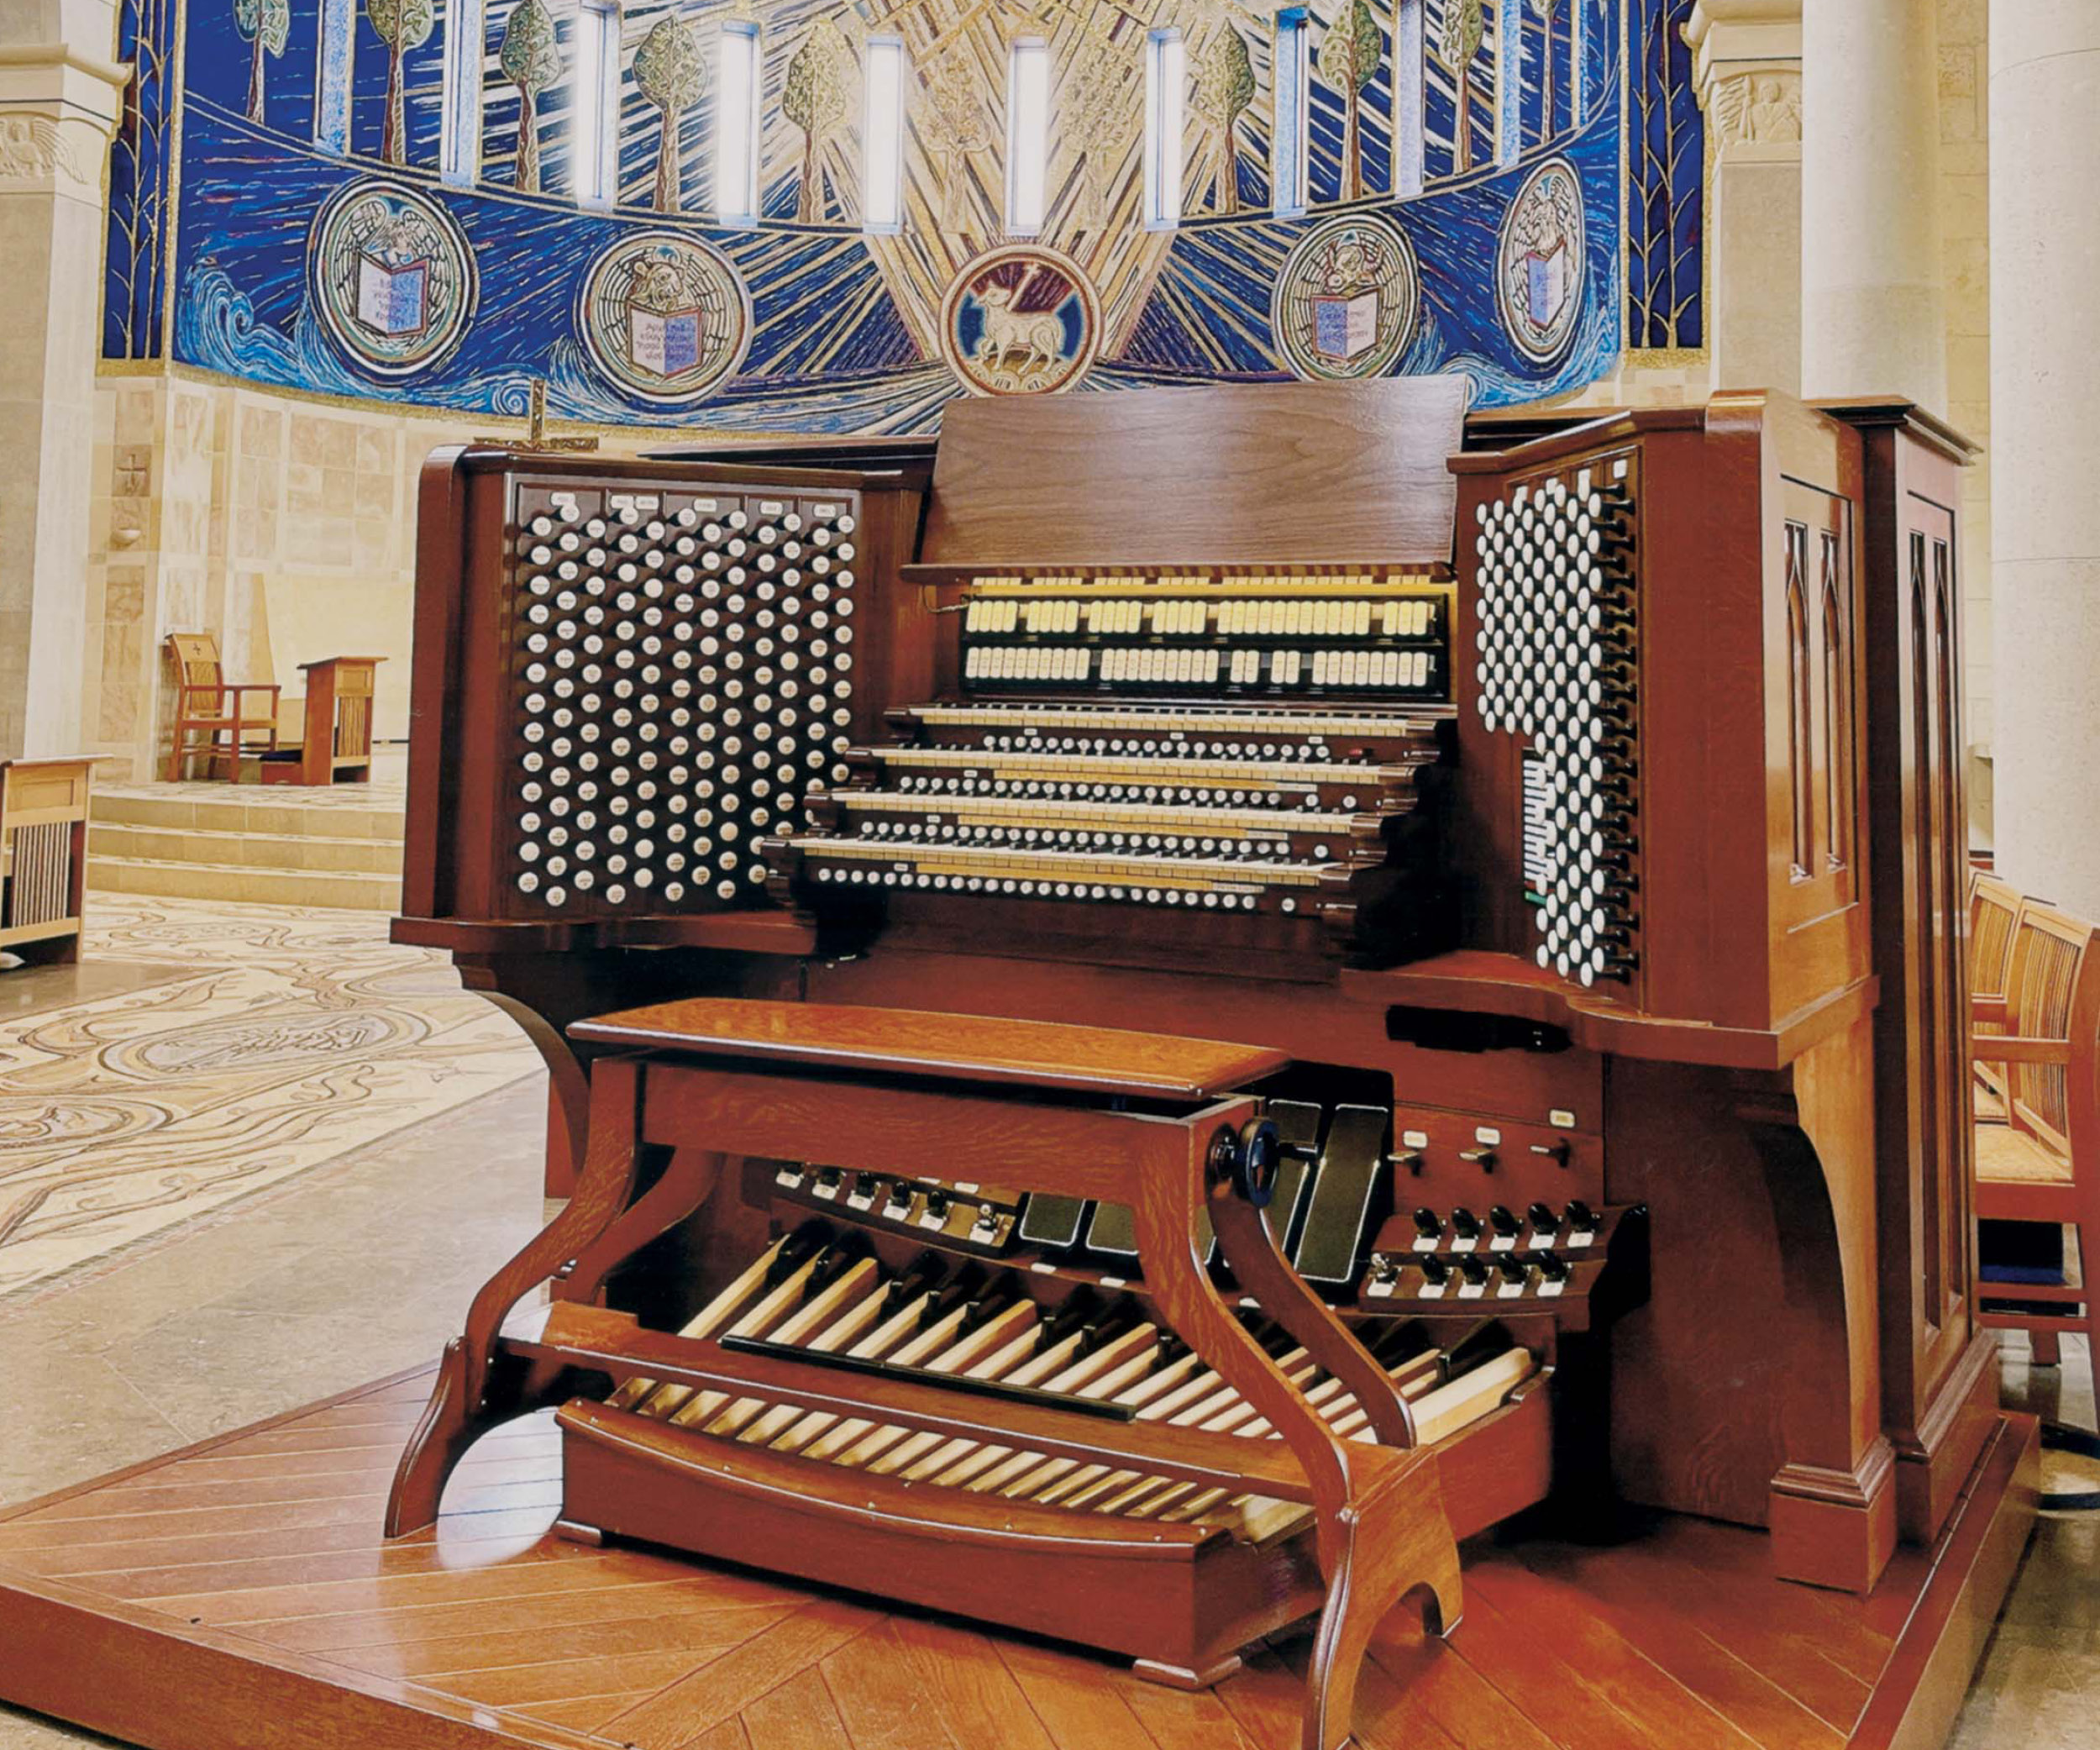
(265, 24)
(141, 198)
(402, 25)
(1666, 152)
(954, 125)
(1224, 88)
(1545, 10)
(671, 77)
(1097, 97)
(1464, 28)
(531, 60)
(1349, 56)
(815, 99)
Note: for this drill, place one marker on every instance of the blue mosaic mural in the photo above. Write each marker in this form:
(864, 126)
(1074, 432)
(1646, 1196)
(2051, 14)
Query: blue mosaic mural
(439, 201)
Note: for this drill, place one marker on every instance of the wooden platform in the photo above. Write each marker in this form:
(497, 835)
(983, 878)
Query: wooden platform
(237, 1596)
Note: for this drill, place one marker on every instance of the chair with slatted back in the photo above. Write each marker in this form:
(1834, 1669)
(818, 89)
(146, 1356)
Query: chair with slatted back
(209, 704)
(1994, 913)
(2043, 1163)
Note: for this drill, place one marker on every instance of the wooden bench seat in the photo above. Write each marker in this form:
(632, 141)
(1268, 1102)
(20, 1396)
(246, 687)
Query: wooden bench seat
(2042, 1162)
(2006, 1156)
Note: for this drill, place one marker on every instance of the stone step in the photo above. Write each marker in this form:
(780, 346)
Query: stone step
(307, 851)
(225, 808)
(341, 889)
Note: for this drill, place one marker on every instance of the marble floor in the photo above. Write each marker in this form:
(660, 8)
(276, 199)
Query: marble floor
(269, 1289)
(249, 1045)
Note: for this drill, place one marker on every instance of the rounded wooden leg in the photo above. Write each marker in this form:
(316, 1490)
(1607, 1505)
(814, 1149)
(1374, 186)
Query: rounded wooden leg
(1396, 1543)
(440, 1441)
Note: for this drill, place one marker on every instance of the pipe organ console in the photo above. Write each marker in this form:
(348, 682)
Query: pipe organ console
(1156, 1024)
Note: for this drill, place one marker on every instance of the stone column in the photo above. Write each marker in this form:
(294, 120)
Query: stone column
(1872, 315)
(2044, 104)
(1746, 61)
(59, 106)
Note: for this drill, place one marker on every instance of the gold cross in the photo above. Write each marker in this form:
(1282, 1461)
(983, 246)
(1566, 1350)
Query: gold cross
(536, 436)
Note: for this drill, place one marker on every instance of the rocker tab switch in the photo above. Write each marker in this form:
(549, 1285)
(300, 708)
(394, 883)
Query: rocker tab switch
(1464, 1228)
(1544, 1223)
(1581, 1218)
(1502, 1221)
(1428, 1225)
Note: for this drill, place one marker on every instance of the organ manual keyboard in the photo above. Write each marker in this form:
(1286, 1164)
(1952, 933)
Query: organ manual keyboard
(1305, 982)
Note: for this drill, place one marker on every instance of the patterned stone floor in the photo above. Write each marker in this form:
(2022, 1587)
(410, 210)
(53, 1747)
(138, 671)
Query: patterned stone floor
(272, 1040)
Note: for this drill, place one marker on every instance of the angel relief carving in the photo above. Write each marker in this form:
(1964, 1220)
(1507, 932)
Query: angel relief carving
(32, 148)
(1758, 109)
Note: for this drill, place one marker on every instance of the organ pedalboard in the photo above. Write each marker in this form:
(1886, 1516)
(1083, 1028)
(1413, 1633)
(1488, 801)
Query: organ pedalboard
(1250, 744)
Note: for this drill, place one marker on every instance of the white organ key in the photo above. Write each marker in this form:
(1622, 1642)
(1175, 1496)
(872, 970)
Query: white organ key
(674, 1402)
(707, 1322)
(805, 1322)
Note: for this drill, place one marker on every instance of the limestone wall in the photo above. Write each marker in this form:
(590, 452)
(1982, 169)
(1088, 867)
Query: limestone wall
(284, 526)
(1965, 248)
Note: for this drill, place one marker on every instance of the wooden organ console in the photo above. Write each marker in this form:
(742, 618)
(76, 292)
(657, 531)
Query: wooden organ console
(1160, 1021)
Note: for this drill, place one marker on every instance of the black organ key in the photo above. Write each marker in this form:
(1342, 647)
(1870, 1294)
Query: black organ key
(953, 1295)
(918, 1278)
(1351, 1195)
(1060, 1322)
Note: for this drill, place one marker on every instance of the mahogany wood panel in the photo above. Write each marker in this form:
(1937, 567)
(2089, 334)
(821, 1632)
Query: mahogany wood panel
(1020, 1053)
(1935, 1358)
(1283, 472)
(1676, 1637)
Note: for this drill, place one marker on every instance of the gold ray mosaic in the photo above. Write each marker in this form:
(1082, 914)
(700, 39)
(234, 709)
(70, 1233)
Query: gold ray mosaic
(282, 1039)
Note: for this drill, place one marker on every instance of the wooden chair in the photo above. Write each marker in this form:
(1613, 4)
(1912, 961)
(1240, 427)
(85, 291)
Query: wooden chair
(1994, 914)
(43, 857)
(205, 701)
(2043, 1162)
